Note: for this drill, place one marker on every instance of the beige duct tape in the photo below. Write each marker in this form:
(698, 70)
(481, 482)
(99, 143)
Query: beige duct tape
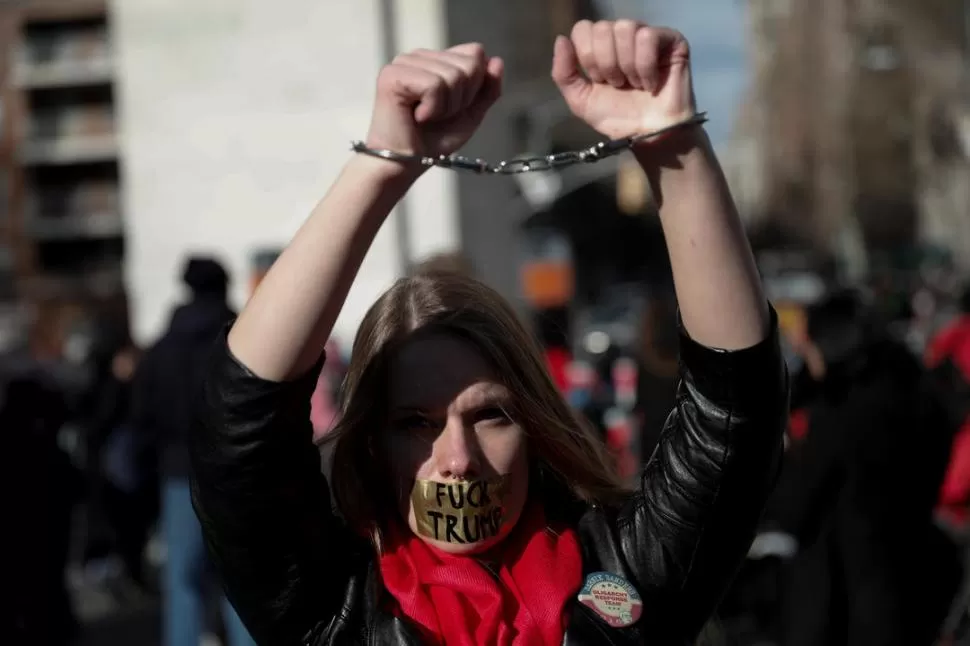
(464, 512)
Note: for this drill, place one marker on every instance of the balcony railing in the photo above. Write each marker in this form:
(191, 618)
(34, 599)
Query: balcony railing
(95, 225)
(63, 73)
(102, 281)
(70, 150)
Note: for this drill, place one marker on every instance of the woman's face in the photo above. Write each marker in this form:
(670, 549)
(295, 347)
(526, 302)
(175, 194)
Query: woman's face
(457, 459)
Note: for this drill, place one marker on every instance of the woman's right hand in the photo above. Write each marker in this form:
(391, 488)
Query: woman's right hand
(431, 102)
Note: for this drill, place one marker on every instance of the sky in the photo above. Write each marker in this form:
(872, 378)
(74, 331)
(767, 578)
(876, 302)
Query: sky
(717, 31)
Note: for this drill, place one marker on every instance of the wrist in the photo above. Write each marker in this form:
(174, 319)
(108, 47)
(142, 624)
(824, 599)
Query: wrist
(387, 174)
(668, 151)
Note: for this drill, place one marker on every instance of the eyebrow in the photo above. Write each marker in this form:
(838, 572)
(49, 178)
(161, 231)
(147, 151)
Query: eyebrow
(493, 399)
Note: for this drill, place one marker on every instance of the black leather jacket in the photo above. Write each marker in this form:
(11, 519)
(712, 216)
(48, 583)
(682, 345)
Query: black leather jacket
(296, 575)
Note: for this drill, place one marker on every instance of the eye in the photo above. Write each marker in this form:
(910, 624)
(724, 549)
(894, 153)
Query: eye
(491, 414)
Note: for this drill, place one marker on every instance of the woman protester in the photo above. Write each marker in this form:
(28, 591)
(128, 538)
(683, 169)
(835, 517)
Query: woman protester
(467, 505)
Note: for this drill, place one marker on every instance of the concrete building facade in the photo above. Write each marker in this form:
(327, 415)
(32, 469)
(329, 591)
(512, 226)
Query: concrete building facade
(237, 114)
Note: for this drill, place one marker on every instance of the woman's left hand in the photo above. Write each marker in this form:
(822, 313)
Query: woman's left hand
(637, 78)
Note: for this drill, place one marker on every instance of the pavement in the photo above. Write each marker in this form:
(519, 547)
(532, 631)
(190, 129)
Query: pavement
(135, 626)
(112, 613)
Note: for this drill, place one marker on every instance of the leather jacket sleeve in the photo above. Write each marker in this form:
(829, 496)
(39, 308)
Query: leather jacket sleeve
(263, 501)
(688, 528)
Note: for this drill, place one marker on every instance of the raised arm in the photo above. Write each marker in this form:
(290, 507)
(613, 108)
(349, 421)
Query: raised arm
(637, 80)
(428, 103)
(686, 531)
(257, 487)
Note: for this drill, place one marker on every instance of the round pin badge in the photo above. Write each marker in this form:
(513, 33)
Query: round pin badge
(612, 598)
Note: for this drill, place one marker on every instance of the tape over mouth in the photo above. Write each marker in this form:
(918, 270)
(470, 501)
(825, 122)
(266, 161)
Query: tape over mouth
(461, 512)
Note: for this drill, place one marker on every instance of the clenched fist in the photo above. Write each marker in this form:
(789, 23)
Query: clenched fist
(624, 78)
(431, 102)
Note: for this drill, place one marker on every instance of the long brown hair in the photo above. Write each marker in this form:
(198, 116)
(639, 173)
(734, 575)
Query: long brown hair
(457, 304)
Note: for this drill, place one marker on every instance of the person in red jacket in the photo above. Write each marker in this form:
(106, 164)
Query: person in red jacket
(948, 358)
(948, 355)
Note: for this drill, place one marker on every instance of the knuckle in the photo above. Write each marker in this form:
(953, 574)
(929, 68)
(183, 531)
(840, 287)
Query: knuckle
(465, 65)
(584, 50)
(581, 27)
(602, 27)
(388, 75)
(624, 26)
(439, 85)
(451, 75)
(475, 50)
(648, 37)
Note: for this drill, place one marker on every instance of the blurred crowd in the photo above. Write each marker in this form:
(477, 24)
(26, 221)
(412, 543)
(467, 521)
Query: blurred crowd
(865, 540)
(865, 537)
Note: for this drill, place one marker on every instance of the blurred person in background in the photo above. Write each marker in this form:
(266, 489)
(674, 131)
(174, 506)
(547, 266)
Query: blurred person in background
(948, 359)
(127, 486)
(323, 402)
(552, 329)
(39, 487)
(859, 492)
(166, 386)
(471, 504)
(96, 417)
(115, 467)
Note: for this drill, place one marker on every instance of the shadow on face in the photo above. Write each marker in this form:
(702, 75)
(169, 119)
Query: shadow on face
(450, 421)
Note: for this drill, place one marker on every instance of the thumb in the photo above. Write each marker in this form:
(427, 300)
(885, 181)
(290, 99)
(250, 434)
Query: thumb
(566, 74)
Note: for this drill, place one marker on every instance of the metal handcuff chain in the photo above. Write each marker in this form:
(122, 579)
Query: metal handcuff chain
(517, 165)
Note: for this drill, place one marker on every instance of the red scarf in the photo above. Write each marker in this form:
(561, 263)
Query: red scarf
(454, 600)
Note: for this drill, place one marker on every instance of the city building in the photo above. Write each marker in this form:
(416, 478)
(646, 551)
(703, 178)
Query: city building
(214, 128)
(62, 233)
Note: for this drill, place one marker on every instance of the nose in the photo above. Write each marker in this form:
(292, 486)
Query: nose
(456, 451)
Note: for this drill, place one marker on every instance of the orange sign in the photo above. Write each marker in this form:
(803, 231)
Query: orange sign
(548, 283)
(791, 321)
(547, 275)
